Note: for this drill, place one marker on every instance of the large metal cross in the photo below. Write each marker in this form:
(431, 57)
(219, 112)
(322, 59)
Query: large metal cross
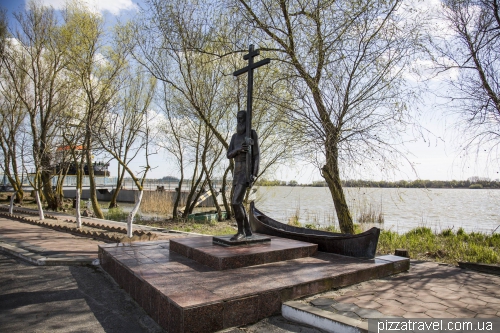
(248, 136)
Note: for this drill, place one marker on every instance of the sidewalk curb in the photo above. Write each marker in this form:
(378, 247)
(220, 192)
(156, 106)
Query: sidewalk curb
(321, 319)
(40, 260)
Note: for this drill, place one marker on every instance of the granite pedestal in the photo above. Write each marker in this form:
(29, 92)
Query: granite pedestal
(209, 253)
(184, 295)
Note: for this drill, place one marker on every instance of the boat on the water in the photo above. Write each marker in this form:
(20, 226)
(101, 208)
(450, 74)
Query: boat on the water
(363, 245)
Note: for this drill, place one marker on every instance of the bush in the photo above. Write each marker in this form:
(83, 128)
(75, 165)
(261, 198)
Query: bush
(116, 214)
(446, 233)
(475, 186)
(423, 231)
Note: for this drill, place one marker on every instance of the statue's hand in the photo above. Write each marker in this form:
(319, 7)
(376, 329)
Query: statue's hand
(244, 148)
(252, 180)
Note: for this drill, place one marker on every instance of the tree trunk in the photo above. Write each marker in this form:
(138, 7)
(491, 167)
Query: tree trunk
(19, 195)
(53, 201)
(131, 215)
(190, 208)
(227, 206)
(119, 182)
(331, 173)
(93, 194)
(211, 188)
(39, 205)
(78, 215)
(11, 206)
(175, 213)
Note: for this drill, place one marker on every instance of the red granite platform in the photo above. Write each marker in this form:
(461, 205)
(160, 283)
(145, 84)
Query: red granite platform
(183, 295)
(204, 251)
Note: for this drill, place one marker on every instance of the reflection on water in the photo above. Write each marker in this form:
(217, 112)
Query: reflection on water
(403, 209)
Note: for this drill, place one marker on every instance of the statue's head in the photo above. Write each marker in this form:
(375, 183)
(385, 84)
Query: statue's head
(242, 120)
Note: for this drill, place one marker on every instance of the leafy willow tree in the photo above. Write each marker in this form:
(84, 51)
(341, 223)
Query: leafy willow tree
(471, 46)
(344, 63)
(12, 134)
(34, 63)
(94, 64)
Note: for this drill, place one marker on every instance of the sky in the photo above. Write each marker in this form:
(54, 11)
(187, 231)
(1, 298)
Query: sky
(435, 156)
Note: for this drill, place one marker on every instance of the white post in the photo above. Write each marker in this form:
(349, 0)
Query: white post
(131, 215)
(11, 207)
(39, 204)
(78, 216)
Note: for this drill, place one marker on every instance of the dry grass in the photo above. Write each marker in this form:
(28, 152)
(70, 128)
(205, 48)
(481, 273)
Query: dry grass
(161, 203)
(370, 215)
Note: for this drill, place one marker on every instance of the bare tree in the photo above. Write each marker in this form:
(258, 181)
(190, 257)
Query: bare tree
(344, 62)
(471, 47)
(128, 130)
(178, 43)
(126, 121)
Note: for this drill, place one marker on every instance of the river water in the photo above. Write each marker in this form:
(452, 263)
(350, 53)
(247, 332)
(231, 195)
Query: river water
(403, 209)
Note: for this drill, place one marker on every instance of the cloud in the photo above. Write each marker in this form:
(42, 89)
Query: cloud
(112, 6)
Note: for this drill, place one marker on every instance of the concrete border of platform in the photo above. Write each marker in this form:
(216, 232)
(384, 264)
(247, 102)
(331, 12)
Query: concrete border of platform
(325, 320)
(40, 260)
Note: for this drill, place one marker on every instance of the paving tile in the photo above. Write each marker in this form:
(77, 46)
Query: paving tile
(491, 310)
(473, 287)
(454, 286)
(347, 299)
(392, 310)
(453, 303)
(350, 293)
(483, 315)
(349, 314)
(427, 298)
(406, 294)
(323, 301)
(409, 300)
(490, 299)
(388, 302)
(472, 301)
(370, 297)
(435, 306)
(451, 296)
(413, 308)
(403, 288)
(368, 313)
(461, 312)
(345, 307)
(439, 314)
(368, 304)
(415, 315)
(389, 295)
(442, 290)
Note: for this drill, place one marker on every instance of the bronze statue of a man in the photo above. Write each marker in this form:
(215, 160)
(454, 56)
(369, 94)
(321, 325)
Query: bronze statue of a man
(238, 149)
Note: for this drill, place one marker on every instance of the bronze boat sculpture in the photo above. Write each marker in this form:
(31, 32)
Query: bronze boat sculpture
(361, 245)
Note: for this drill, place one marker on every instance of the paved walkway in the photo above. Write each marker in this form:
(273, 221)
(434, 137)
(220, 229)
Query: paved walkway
(428, 290)
(46, 242)
(46, 246)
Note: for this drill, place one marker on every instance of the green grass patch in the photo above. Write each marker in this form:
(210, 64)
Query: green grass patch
(447, 246)
(206, 227)
(116, 214)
